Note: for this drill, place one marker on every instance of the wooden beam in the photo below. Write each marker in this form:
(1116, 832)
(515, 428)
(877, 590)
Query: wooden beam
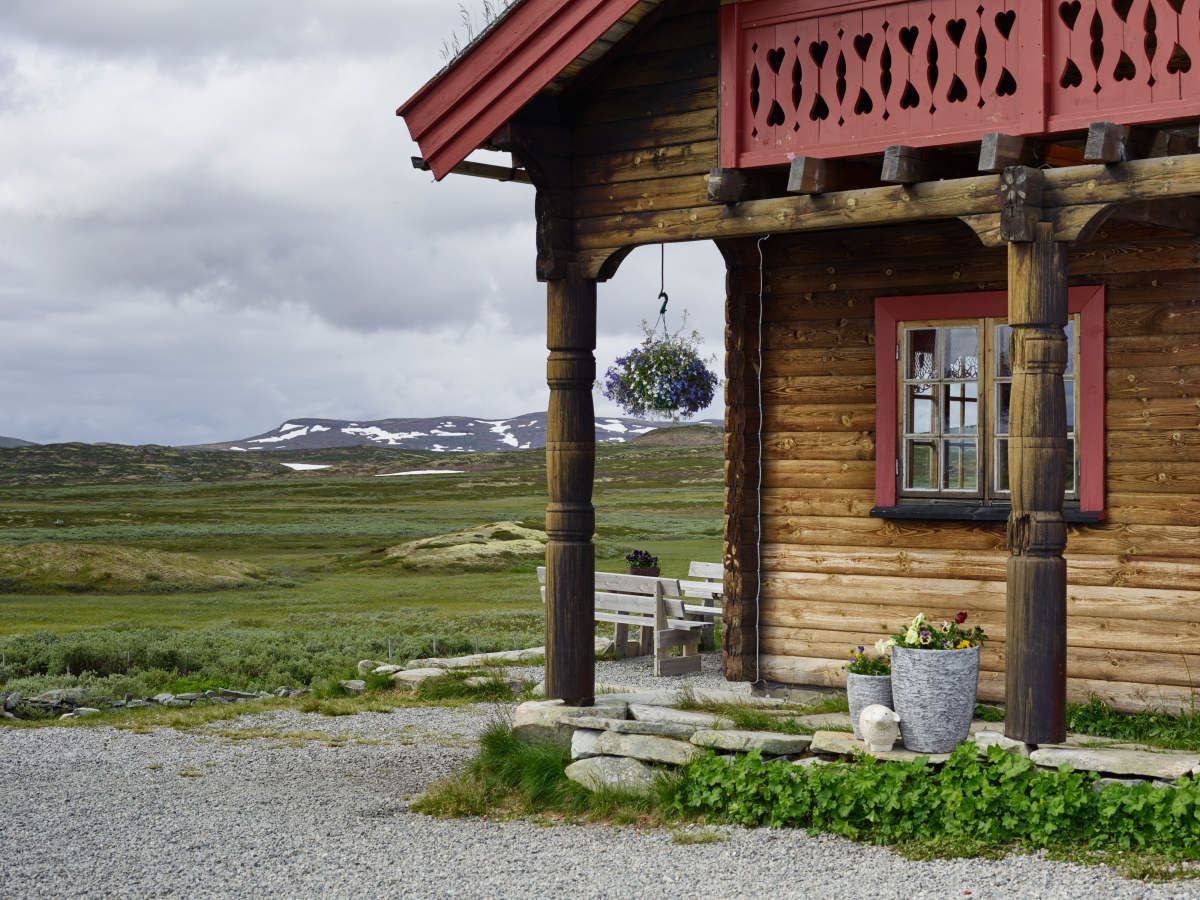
(738, 185)
(904, 165)
(998, 152)
(480, 170)
(809, 175)
(1036, 647)
(1164, 178)
(570, 473)
(1180, 215)
(1107, 142)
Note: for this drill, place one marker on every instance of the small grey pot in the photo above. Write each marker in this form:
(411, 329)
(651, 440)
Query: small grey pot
(934, 692)
(864, 690)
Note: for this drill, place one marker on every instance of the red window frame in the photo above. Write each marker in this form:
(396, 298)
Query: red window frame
(1087, 302)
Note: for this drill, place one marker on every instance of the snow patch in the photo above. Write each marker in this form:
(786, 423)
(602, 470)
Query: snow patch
(501, 428)
(304, 467)
(238, 449)
(441, 433)
(316, 428)
(613, 425)
(299, 431)
(421, 472)
(375, 433)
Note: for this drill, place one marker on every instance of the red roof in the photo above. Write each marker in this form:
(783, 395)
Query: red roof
(464, 105)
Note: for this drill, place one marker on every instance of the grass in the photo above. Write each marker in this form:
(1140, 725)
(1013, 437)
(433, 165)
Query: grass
(327, 599)
(1157, 729)
(514, 777)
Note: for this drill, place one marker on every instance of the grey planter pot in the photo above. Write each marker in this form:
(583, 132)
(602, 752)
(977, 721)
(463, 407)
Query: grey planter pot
(934, 692)
(864, 690)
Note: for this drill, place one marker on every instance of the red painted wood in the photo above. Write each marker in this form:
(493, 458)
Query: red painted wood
(1087, 302)
(849, 78)
(463, 106)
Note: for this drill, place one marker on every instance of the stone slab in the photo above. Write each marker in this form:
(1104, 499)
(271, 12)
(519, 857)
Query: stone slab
(1165, 765)
(846, 744)
(550, 720)
(414, 677)
(646, 747)
(583, 743)
(612, 772)
(632, 726)
(768, 742)
(647, 713)
(985, 739)
(386, 669)
(826, 720)
(350, 686)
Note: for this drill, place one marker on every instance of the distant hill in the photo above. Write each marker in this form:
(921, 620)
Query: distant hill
(445, 434)
(14, 442)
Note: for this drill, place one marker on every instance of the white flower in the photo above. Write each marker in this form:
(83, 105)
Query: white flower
(912, 635)
(883, 645)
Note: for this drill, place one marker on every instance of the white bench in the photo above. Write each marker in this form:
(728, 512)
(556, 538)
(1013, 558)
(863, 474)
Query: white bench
(706, 583)
(656, 607)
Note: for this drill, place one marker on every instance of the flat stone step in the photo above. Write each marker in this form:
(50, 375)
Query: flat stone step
(845, 744)
(644, 713)
(632, 726)
(825, 720)
(613, 772)
(551, 720)
(769, 742)
(1166, 765)
(416, 676)
(649, 748)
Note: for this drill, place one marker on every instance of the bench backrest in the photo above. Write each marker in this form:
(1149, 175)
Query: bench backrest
(706, 571)
(632, 593)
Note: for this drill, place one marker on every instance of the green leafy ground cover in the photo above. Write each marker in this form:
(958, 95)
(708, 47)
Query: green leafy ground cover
(329, 594)
(971, 807)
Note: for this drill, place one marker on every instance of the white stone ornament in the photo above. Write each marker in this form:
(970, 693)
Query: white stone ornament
(880, 727)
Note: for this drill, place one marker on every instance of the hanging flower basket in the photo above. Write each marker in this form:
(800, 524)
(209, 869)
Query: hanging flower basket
(664, 377)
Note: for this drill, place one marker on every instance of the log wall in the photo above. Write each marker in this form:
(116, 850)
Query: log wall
(644, 136)
(834, 577)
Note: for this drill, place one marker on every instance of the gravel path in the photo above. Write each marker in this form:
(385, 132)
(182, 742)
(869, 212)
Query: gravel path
(291, 811)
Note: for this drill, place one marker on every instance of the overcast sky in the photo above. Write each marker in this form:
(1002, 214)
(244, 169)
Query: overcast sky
(209, 224)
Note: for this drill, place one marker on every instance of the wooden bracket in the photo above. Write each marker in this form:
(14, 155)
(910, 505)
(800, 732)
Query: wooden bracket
(904, 165)
(738, 185)
(1111, 143)
(998, 152)
(480, 170)
(809, 175)
(1020, 202)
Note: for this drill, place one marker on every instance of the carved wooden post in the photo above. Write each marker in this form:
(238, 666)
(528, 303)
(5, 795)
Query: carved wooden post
(570, 469)
(1036, 668)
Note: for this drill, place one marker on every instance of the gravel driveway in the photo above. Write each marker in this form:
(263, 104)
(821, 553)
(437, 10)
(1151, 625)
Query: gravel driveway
(99, 812)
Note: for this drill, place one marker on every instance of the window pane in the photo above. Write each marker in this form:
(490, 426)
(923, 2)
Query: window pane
(1003, 362)
(922, 458)
(962, 353)
(960, 408)
(922, 345)
(1001, 465)
(1003, 402)
(1070, 329)
(920, 411)
(1069, 387)
(960, 465)
(1070, 473)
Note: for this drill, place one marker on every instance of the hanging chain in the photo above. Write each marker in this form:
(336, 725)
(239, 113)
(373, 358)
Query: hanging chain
(662, 293)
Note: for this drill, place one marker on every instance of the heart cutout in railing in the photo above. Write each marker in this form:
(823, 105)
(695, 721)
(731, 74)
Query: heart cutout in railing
(1071, 76)
(817, 50)
(1069, 13)
(1007, 85)
(1005, 22)
(956, 28)
(908, 37)
(1179, 62)
(910, 99)
(775, 59)
(862, 45)
(958, 91)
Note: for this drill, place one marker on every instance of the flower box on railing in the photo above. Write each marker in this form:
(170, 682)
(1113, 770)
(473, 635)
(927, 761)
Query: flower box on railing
(825, 79)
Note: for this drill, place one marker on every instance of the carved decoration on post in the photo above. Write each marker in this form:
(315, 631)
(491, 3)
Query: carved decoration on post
(1035, 667)
(570, 472)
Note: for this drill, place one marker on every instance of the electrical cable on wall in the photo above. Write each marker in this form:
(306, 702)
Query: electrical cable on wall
(758, 493)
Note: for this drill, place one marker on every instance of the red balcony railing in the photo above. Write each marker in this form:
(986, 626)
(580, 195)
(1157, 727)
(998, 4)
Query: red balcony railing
(827, 79)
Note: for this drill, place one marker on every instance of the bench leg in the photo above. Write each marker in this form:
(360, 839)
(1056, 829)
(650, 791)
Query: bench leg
(647, 639)
(620, 640)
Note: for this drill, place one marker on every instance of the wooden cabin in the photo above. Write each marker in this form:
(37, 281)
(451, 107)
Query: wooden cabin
(966, 234)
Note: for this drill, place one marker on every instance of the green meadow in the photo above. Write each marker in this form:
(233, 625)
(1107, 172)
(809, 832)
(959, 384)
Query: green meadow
(146, 569)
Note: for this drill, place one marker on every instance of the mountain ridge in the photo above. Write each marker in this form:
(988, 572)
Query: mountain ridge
(439, 434)
(15, 442)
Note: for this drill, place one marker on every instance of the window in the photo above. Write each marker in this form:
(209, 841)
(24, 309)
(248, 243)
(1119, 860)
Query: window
(944, 388)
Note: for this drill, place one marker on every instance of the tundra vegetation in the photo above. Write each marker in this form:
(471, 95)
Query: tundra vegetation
(147, 569)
